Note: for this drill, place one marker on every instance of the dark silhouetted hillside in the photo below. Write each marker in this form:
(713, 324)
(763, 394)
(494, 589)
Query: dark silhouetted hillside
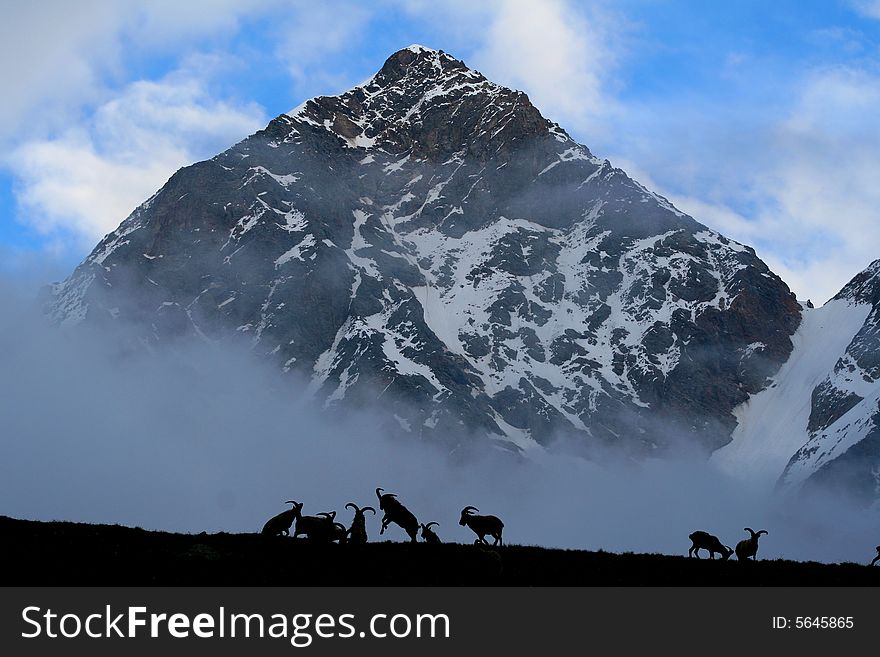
(65, 553)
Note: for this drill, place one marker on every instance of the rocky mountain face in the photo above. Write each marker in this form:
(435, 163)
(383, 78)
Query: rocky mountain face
(842, 442)
(429, 245)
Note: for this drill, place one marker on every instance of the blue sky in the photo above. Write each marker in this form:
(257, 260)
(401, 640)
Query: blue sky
(759, 119)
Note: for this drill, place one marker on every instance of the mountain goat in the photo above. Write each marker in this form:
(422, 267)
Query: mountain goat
(482, 525)
(358, 530)
(748, 547)
(429, 535)
(705, 541)
(280, 524)
(316, 528)
(397, 513)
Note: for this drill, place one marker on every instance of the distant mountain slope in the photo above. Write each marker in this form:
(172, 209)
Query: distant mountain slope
(428, 244)
(843, 449)
(817, 422)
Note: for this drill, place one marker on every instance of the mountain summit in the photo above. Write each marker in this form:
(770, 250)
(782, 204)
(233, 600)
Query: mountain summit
(428, 244)
(424, 103)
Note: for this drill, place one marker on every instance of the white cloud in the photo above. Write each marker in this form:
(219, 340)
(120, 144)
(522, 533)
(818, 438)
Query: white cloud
(51, 53)
(869, 8)
(823, 184)
(552, 50)
(58, 56)
(166, 22)
(89, 178)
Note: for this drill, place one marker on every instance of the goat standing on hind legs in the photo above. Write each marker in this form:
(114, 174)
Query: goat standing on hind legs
(397, 513)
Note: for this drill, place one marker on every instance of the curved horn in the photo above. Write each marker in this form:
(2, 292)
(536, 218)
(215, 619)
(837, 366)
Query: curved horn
(353, 506)
(750, 531)
(291, 502)
(469, 509)
(431, 523)
(763, 531)
(379, 493)
(368, 508)
(329, 514)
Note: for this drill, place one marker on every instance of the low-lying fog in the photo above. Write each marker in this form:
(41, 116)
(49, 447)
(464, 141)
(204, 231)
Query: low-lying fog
(205, 438)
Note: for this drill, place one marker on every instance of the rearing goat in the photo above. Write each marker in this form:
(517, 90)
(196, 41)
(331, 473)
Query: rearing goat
(397, 513)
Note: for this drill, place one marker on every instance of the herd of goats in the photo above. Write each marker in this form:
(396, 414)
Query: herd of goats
(323, 527)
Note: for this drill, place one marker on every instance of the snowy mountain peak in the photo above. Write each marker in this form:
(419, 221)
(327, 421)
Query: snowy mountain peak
(406, 57)
(428, 244)
(419, 49)
(426, 103)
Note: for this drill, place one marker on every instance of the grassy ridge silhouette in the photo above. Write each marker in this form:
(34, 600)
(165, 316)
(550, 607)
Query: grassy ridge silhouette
(65, 553)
